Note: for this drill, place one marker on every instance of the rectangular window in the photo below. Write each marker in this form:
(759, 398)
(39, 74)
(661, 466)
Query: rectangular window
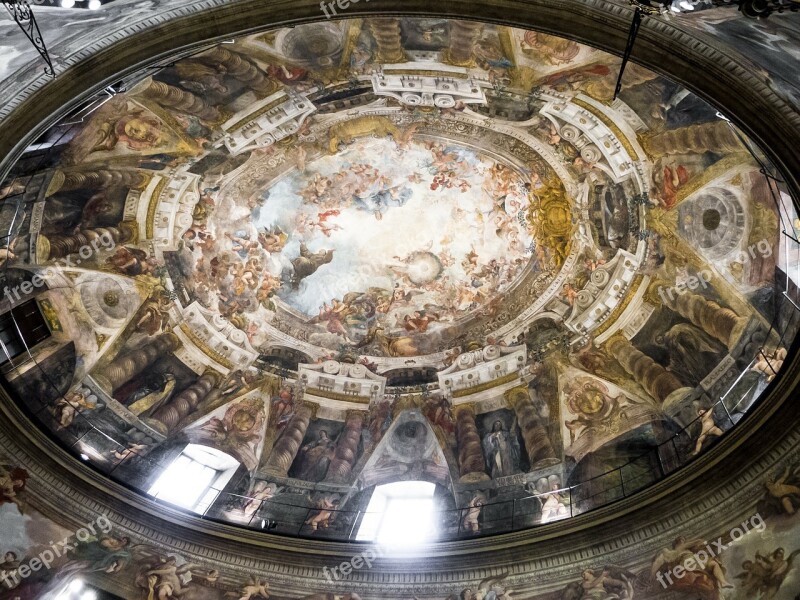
(21, 328)
(195, 479)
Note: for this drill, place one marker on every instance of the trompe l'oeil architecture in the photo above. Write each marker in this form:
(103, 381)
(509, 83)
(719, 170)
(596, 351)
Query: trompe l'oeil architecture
(399, 305)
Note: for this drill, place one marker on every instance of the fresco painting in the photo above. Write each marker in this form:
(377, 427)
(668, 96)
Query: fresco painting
(344, 262)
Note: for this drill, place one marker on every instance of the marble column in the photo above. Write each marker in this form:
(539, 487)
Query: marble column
(388, 36)
(241, 68)
(346, 453)
(123, 368)
(716, 136)
(717, 321)
(471, 465)
(288, 445)
(170, 96)
(537, 442)
(464, 35)
(185, 403)
(655, 379)
(64, 245)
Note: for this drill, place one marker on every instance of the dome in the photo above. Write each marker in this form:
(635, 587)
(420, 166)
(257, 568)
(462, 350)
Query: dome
(254, 287)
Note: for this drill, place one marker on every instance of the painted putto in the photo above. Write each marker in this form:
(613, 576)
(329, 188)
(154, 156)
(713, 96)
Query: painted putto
(321, 260)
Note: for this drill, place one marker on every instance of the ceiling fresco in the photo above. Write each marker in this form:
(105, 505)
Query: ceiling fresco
(353, 253)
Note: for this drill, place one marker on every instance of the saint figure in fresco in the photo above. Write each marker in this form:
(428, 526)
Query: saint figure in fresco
(315, 457)
(693, 353)
(501, 449)
(155, 390)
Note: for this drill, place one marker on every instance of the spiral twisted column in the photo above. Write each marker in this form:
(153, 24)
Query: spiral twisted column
(655, 379)
(717, 136)
(347, 448)
(388, 36)
(241, 68)
(471, 465)
(288, 445)
(170, 96)
(98, 178)
(62, 246)
(717, 321)
(185, 403)
(123, 368)
(463, 37)
(537, 442)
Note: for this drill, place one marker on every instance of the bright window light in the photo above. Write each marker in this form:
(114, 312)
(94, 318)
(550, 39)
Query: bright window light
(399, 515)
(195, 478)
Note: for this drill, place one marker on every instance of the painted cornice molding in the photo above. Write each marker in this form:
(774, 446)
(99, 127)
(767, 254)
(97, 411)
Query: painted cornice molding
(720, 488)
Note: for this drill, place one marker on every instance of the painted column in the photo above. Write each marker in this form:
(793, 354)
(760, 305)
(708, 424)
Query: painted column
(717, 321)
(64, 245)
(98, 178)
(716, 136)
(347, 448)
(463, 37)
(288, 445)
(655, 379)
(123, 368)
(388, 36)
(471, 465)
(170, 96)
(537, 442)
(241, 68)
(185, 403)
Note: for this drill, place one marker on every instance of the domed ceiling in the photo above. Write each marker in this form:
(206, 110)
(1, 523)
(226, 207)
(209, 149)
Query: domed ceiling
(358, 252)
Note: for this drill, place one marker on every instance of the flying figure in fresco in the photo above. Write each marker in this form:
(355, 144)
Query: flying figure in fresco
(308, 263)
(608, 583)
(782, 495)
(11, 483)
(763, 577)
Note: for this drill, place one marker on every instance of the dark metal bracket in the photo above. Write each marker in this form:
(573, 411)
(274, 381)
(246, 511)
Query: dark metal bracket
(22, 13)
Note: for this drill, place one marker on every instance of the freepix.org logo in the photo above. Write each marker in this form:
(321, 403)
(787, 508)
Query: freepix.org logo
(703, 278)
(329, 8)
(103, 241)
(11, 578)
(689, 556)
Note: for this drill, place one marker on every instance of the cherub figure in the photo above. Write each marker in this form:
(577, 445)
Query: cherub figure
(11, 484)
(262, 492)
(326, 506)
(785, 490)
(708, 428)
(65, 409)
(470, 521)
(569, 293)
(254, 588)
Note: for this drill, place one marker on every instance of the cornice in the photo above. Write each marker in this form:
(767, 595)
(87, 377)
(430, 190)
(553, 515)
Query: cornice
(721, 486)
